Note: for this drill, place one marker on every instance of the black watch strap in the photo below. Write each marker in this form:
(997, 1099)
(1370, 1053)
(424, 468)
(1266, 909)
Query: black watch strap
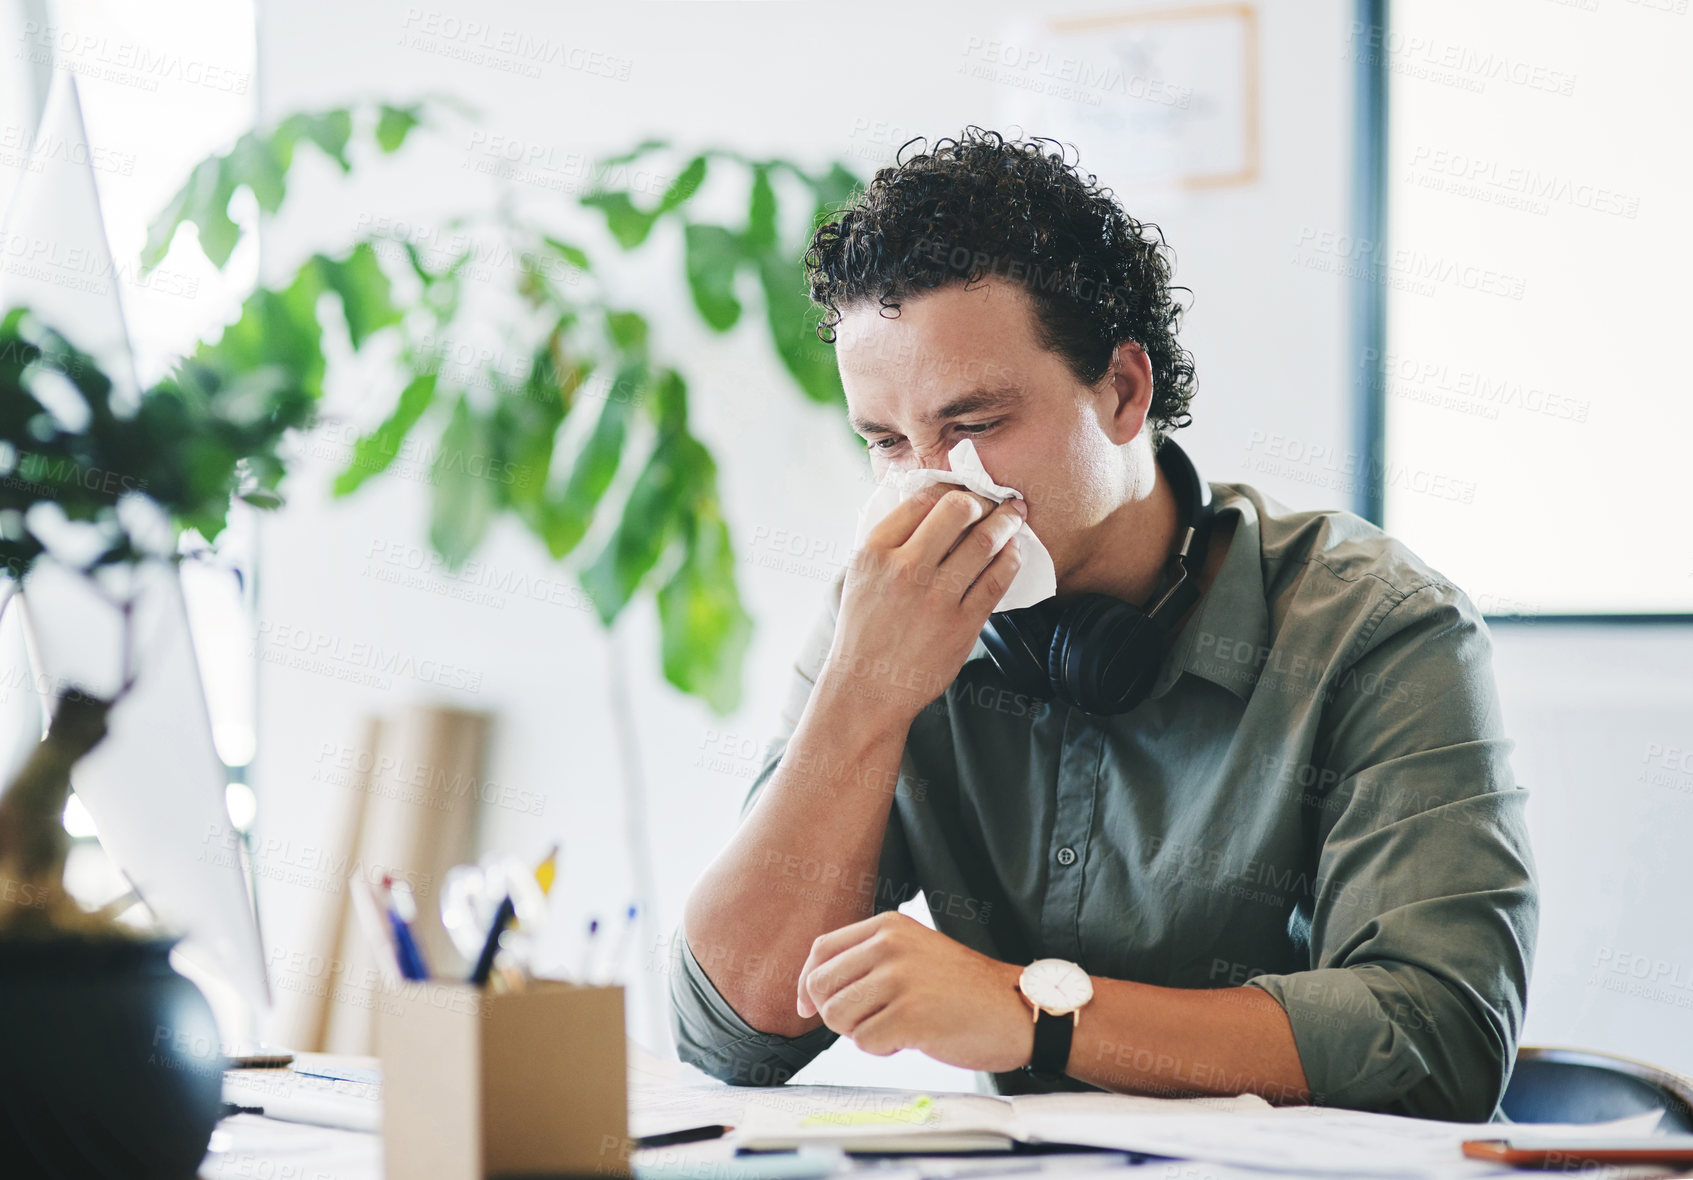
(1052, 1043)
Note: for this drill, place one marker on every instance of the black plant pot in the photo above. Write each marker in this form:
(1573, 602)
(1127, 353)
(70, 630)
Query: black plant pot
(109, 1061)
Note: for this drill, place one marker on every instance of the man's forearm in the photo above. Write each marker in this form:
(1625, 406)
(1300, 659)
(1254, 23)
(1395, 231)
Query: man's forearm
(804, 860)
(1140, 1039)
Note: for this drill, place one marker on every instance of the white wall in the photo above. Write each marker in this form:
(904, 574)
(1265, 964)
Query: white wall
(1267, 327)
(1603, 717)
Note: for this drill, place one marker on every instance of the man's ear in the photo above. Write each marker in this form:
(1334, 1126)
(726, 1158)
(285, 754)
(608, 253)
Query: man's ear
(1125, 393)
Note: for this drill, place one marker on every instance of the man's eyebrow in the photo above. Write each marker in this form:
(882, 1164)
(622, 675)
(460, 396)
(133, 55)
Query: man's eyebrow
(975, 402)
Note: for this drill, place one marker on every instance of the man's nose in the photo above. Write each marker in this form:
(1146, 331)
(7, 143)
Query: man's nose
(934, 457)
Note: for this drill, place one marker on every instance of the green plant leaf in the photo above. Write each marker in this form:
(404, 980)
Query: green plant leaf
(683, 187)
(639, 150)
(466, 492)
(631, 225)
(393, 124)
(556, 372)
(190, 442)
(793, 329)
(253, 162)
(374, 452)
(208, 211)
(704, 629)
(525, 432)
(713, 256)
(426, 276)
(669, 402)
(330, 131)
(649, 519)
(366, 298)
(260, 162)
(186, 204)
(275, 328)
(760, 233)
(574, 255)
(628, 225)
(565, 519)
(628, 330)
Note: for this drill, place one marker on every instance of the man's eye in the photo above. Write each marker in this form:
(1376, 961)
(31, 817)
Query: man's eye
(973, 429)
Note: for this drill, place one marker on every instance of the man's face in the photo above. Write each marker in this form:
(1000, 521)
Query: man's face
(957, 364)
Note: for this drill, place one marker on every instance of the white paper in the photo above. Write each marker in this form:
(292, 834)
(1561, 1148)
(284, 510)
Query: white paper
(295, 1097)
(246, 1146)
(1310, 1139)
(1032, 1108)
(667, 1095)
(1036, 579)
(775, 1119)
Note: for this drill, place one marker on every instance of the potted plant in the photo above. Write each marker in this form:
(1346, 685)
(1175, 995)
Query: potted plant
(109, 1061)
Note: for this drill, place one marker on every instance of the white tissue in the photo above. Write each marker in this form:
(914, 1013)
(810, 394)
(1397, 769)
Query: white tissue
(1036, 580)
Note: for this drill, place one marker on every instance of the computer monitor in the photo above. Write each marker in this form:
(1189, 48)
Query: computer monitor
(155, 786)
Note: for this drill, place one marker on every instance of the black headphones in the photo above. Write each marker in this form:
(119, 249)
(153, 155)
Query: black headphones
(1098, 653)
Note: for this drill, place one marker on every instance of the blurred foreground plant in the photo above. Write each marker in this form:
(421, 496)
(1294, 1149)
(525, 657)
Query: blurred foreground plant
(99, 484)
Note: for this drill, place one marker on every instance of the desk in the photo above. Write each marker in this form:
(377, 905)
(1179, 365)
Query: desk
(665, 1095)
(254, 1148)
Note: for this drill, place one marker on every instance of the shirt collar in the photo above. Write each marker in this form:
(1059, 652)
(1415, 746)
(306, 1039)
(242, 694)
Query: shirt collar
(1224, 639)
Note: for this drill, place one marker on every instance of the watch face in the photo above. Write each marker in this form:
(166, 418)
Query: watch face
(1057, 985)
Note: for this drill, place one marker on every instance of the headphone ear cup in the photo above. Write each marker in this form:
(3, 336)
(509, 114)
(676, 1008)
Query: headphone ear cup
(1132, 653)
(1057, 654)
(1066, 656)
(1105, 655)
(1017, 642)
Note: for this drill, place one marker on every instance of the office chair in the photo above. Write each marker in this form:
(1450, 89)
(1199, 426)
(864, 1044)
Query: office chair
(1580, 1086)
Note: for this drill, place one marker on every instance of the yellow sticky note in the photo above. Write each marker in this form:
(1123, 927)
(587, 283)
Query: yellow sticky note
(920, 1109)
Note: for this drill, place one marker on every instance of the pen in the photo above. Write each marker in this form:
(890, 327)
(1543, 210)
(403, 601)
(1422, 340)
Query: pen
(689, 1135)
(399, 906)
(608, 973)
(490, 948)
(808, 1163)
(378, 931)
(588, 953)
(546, 870)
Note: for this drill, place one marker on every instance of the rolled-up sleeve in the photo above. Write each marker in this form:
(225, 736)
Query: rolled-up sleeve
(712, 1035)
(1422, 913)
(709, 1032)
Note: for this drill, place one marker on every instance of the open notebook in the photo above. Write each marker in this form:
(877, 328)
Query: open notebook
(891, 1121)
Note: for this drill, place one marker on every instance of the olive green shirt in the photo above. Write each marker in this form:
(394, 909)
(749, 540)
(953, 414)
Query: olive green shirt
(1315, 800)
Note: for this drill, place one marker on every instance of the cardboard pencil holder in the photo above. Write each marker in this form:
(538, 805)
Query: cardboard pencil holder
(479, 1084)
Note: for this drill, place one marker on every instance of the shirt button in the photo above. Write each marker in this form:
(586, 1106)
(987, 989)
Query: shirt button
(1066, 856)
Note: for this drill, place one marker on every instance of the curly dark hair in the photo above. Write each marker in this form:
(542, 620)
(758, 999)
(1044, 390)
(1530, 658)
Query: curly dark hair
(982, 206)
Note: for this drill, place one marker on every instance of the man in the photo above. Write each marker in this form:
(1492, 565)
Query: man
(1298, 868)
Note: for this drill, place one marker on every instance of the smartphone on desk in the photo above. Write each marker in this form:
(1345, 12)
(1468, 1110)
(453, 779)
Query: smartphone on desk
(1526, 1150)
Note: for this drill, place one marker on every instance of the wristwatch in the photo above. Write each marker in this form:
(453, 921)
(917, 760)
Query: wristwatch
(1055, 989)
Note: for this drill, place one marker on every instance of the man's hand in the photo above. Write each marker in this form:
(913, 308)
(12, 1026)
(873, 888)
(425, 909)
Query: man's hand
(891, 983)
(917, 595)
(908, 618)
